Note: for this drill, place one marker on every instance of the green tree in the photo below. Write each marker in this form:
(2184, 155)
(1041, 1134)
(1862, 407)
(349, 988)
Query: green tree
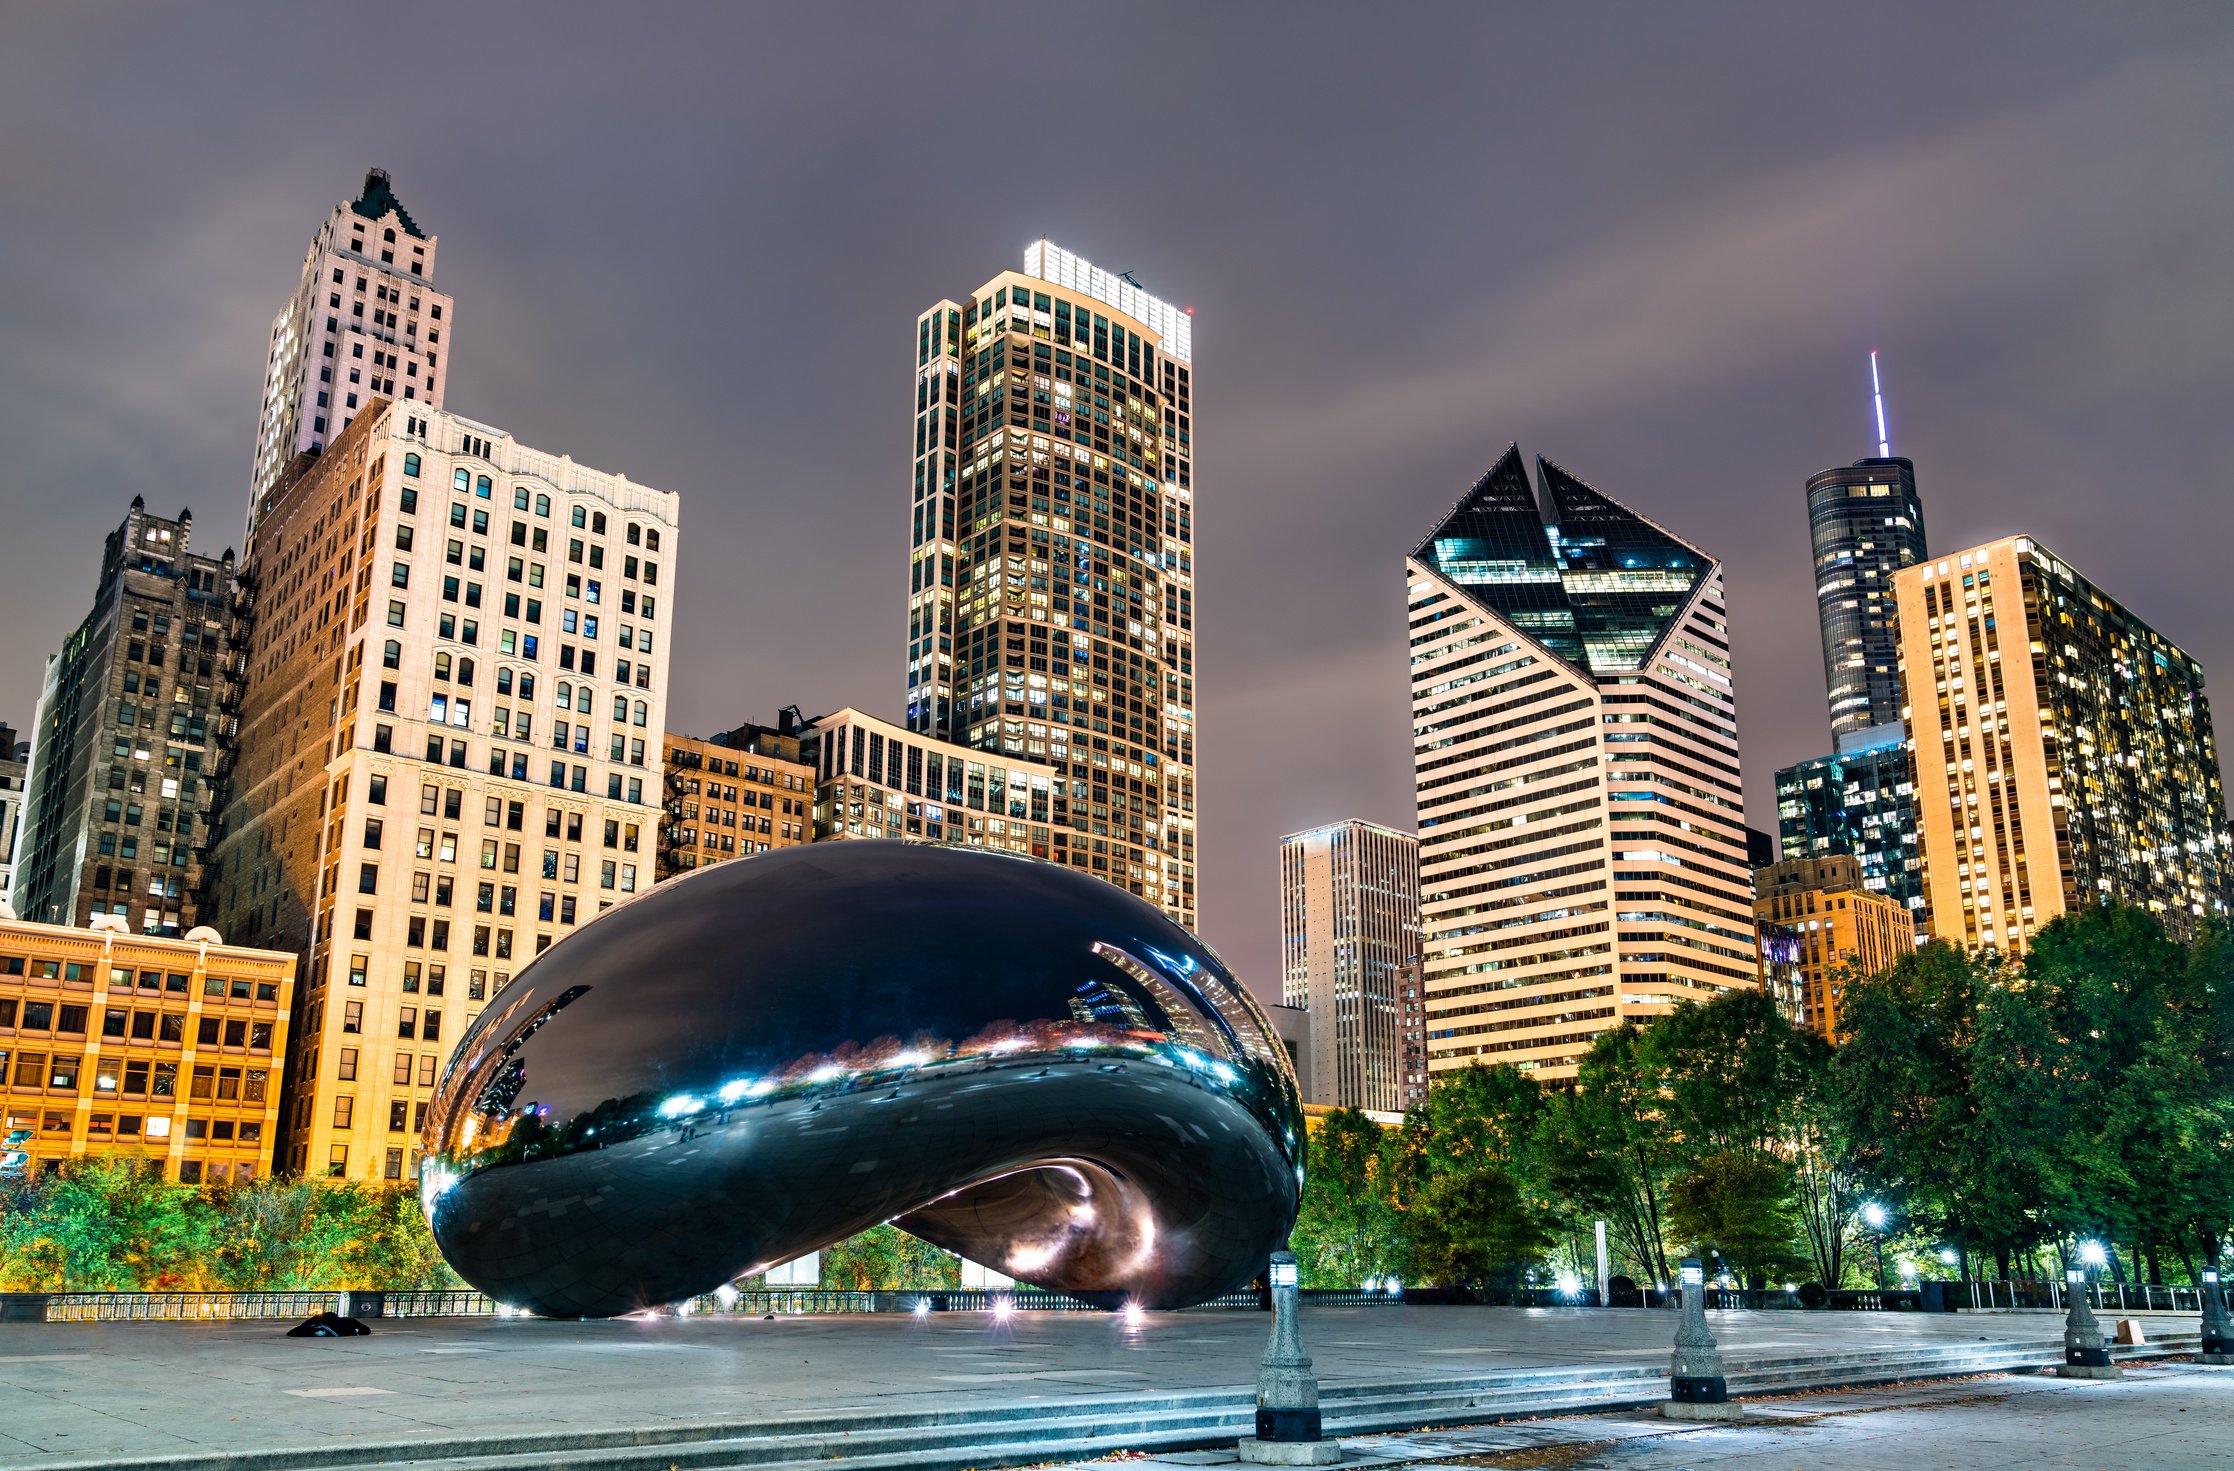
(1737, 1205)
(1900, 1083)
(1733, 1069)
(102, 1223)
(1349, 1228)
(1473, 1229)
(1607, 1147)
(885, 1258)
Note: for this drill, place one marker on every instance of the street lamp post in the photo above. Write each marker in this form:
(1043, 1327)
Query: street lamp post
(2218, 1328)
(1697, 1388)
(2085, 1354)
(1287, 1395)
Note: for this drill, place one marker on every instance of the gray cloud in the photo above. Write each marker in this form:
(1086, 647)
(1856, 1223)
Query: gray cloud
(689, 243)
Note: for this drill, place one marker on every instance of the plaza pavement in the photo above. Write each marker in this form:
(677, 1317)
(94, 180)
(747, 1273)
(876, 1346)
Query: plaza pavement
(2170, 1416)
(145, 1394)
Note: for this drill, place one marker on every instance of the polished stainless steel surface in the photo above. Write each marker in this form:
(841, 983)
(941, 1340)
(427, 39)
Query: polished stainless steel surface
(1009, 1059)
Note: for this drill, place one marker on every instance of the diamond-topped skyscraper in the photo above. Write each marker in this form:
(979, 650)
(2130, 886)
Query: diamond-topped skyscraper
(1051, 572)
(364, 322)
(1582, 830)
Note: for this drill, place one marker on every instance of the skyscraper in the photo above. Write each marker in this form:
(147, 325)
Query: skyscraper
(449, 752)
(364, 321)
(2064, 751)
(1051, 577)
(1583, 855)
(1865, 522)
(130, 733)
(1349, 933)
(15, 769)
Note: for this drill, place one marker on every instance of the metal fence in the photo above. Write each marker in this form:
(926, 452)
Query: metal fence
(125, 1307)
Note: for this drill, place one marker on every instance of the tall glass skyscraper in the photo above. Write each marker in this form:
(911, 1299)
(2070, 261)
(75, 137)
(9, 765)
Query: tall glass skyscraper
(1866, 523)
(1051, 570)
(1583, 856)
(1859, 800)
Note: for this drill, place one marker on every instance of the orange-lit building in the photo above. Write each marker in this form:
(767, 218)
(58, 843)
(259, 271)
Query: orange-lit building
(166, 1049)
(1827, 920)
(728, 797)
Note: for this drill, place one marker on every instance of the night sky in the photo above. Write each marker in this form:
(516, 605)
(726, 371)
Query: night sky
(688, 243)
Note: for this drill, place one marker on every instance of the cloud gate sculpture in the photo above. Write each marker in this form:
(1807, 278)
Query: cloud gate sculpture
(1007, 1058)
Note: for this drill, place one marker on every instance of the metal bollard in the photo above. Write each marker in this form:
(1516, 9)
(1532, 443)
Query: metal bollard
(2218, 1327)
(1287, 1394)
(2085, 1354)
(1697, 1389)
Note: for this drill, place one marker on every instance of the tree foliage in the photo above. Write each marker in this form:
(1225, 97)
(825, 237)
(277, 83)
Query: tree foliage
(886, 1258)
(1997, 1110)
(108, 1223)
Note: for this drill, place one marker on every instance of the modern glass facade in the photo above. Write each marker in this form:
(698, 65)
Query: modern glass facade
(1860, 800)
(1051, 581)
(1866, 523)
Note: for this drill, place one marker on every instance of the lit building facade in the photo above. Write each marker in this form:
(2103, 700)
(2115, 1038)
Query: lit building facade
(449, 753)
(15, 769)
(1583, 856)
(2063, 749)
(1860, 800)
(165, 1050)
(132, 727)
(1349, 932)
(1051, 576)
(722, 803)
(1865, 522)
(364, 323)
(874, 779)
(1832, 925)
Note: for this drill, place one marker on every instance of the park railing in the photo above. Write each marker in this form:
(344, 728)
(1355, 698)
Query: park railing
(126, 1307)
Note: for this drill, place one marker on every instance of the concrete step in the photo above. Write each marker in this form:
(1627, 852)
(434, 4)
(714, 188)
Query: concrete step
(1042, 1431)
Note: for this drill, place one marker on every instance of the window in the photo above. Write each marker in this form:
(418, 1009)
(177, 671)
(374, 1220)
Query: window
(352, 1016)
(344, 1108)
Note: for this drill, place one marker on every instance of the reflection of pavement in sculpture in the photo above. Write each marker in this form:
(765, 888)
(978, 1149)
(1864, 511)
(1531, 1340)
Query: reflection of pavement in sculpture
(1011, 1060)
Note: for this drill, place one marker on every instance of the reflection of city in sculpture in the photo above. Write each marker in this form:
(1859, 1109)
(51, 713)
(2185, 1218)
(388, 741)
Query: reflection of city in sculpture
(1011, 1060)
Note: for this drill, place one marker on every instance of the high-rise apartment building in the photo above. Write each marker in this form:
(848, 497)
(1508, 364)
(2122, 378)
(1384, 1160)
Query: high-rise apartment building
(1051, 576)
(2063, 750)
(15, 770)
(1349, 932)
(163, 1050)
(130, 731)
(723, 803)
(1582, 832)
(1835, 925)
(449, 753)
(875, 779)
(1859, 800)
(364, 323)
(1866, 522)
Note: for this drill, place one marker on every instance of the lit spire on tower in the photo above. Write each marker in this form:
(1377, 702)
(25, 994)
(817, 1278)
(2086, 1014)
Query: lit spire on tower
(1877, 395)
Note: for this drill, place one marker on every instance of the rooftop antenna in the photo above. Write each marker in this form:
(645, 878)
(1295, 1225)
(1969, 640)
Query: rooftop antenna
(1877, 396)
